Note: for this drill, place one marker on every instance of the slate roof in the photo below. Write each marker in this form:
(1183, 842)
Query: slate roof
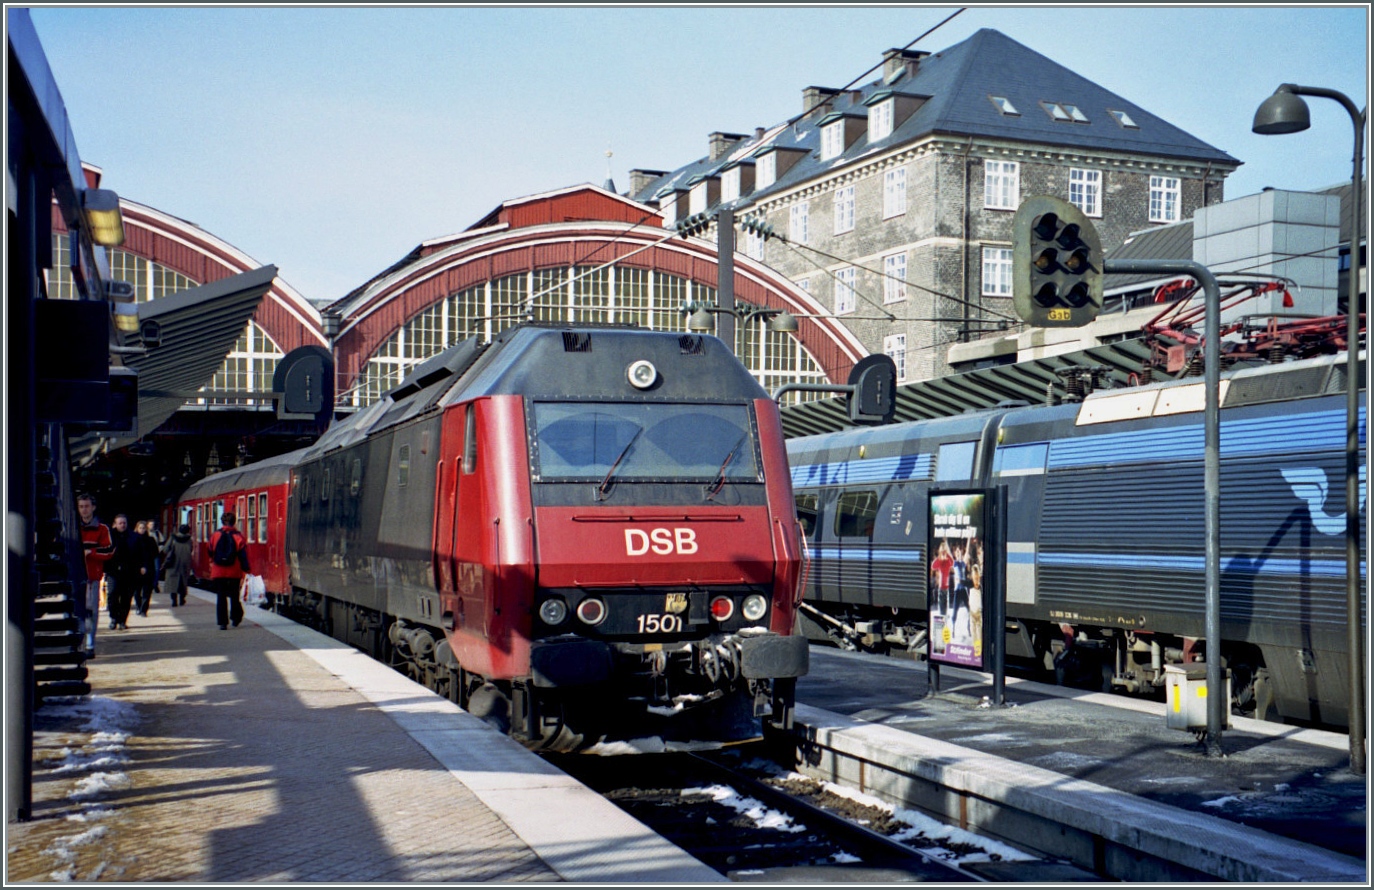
(959, 82)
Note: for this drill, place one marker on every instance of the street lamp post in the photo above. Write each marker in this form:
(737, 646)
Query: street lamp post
(1286, 112)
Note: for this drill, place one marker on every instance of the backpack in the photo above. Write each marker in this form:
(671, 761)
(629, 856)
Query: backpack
(226, 551)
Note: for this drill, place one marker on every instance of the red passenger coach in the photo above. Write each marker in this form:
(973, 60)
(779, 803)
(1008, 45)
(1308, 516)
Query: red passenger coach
(576, 533)
(256, 494)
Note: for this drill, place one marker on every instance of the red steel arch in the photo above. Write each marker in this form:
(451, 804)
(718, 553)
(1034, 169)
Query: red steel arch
(584, 226)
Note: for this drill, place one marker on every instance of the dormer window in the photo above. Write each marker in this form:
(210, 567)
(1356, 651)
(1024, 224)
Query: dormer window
(667, 208)
(880, 120)
(832, 140)
(696, 201)
(766, 170)
(1123, 119)
(729, 184)
(1004, 106)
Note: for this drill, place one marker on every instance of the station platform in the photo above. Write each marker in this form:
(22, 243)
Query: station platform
(271, 753)
(1097, 778)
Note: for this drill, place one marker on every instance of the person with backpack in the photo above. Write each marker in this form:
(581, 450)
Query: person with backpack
(228, 565)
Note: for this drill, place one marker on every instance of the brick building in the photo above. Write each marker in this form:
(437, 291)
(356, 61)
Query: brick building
(894, 199)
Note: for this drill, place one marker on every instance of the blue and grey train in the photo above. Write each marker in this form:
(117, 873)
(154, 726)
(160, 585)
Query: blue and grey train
(1105, 552)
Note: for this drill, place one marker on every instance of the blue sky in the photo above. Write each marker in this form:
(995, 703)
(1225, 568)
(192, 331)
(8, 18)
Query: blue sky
(331, 140)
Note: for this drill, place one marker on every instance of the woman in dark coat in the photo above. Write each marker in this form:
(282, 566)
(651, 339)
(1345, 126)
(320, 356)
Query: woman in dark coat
(176, 565)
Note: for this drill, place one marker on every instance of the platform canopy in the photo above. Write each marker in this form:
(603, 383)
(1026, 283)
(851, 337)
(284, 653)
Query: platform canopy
(975, 390)
(195, 331)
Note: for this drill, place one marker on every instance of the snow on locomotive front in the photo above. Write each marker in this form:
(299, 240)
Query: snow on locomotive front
(642, 572)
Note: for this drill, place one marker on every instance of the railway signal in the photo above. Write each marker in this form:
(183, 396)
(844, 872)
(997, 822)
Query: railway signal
(1056, 264)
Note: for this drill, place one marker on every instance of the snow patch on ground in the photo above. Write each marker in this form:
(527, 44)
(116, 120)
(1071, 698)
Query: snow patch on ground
(95, 766)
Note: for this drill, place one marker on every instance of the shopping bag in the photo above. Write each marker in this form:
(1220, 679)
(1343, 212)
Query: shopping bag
(254, 590)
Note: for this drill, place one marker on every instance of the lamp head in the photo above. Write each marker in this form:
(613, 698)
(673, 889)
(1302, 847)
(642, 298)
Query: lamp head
(103, 218)
(699, 321)
(784, 322)
(1283, 112)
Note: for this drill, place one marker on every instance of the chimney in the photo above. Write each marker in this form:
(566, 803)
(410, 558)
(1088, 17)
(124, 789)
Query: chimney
(897, 62)
(816, 97)
(640, 179)
(722, 143)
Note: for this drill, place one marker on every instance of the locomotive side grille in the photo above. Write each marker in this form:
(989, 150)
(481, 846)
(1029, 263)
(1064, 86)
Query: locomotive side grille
(577, 341)
(691, 345)
(1294, 384)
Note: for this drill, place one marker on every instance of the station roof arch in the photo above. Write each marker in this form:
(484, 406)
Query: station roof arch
(577, 226)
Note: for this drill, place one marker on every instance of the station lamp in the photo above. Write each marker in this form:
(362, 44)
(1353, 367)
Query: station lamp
(104, 221)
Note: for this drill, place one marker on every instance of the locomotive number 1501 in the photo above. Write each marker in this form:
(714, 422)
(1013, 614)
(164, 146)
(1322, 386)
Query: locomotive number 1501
(660, 624)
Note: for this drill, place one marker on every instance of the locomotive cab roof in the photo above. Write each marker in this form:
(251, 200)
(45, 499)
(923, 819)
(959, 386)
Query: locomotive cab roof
(555, 362)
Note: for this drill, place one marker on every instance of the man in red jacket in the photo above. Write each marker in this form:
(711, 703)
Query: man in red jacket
(95, 541)
(226, 579)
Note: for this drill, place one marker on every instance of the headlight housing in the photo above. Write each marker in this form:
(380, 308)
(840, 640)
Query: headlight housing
(754, 607)
(553, 611)
(642, 374)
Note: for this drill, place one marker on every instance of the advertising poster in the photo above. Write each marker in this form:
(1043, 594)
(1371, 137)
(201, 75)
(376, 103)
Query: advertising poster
(957, 568)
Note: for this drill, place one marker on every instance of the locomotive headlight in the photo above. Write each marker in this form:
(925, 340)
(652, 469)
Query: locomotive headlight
(591, 611)
(552, 611)
(753, 607)
(642, 374)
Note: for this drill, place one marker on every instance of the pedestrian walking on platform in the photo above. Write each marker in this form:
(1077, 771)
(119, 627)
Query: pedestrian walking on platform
(144, 550)
(228, 565)
(121, 574)
(176, 565)
(98, 548)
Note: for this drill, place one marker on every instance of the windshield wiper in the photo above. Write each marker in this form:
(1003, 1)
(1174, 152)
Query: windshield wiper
(605, 483)
(719, 482)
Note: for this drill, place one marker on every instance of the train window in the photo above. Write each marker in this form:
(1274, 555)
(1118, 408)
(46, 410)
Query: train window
(355, 479)
(305, 488)
(239, 511)
(262, 518)
(250, 522)
(470, 441)
(325, 486)
(578, 441)
(807, 514)
(855, 513)
(200, 522)
(955, 462)
(403, 466)
(1021, 460)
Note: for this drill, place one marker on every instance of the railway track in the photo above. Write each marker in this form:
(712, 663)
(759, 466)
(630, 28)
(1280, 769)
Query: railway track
(746, 817)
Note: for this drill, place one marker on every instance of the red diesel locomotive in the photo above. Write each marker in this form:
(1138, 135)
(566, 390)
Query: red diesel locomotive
(577, 533)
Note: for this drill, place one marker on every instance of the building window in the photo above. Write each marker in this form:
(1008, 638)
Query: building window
(844, 290)
(1123, 119)
(753, 245)
(1001, 185)
(832, 140)
(248, 368)
(894, 193)
(729, 184)
(895, 346)
(798, 222)
(696, 200)
(766, 170)
(894, 281)
(997, 271)
(880, 120)
(1085, 191)
(1163, 199)
(1004, 106)
(844, 210)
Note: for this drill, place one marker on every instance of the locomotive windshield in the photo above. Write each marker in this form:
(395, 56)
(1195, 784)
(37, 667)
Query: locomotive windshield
(582, 441)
